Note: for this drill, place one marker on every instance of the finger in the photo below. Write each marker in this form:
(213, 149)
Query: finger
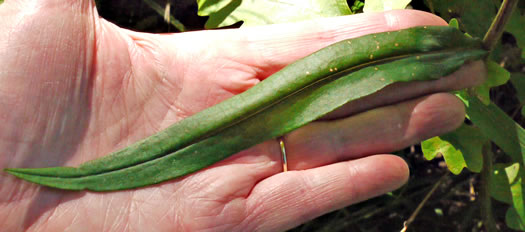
(266, 49)
(289, 199)
(273, 47)
(380, 130)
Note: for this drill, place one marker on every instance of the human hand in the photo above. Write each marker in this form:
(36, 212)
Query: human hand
(74, 87)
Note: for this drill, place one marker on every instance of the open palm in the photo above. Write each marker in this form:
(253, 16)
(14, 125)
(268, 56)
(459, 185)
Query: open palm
(74, 87)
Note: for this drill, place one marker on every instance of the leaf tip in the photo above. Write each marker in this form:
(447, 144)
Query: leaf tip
(454, 23)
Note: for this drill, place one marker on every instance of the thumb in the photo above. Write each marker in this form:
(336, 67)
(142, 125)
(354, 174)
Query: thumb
(46, 57)
(44, 5)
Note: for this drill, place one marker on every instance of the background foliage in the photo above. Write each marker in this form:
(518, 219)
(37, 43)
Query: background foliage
(448, 202)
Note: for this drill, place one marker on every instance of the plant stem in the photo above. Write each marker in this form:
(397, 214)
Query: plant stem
(498, 24)
(430, 6)
(484, 194)
(423, 202)
(161, 11)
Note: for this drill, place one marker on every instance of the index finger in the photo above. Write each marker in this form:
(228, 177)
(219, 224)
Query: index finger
(266, 49)
(272, 47)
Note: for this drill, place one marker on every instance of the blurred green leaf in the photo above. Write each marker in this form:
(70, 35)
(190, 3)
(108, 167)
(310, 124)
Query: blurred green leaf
(518, 81)
(438, 211)
(497, 126)
(384, 5)
(514, 176)
(499, 185)
(357, 7)
(474, 17)
(460, 148)
(227, 12)
(506, 185)
(454, 23)
(496, 76)
(434, 146)
(513, 220)
(516, 26)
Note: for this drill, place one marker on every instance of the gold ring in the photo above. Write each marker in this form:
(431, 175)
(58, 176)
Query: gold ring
(283, 154)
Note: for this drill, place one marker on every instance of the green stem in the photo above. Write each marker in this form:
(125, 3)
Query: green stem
(498, 24)
(484, 194)
(423, 202)
(430, 6)
(161, 11)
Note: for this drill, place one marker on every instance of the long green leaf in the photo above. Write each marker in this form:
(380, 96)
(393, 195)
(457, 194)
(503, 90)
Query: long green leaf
(498, 127)
(298, 94)
(228, 12)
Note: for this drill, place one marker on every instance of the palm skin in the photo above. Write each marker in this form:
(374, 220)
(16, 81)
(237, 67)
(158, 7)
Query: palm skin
(74, 87)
